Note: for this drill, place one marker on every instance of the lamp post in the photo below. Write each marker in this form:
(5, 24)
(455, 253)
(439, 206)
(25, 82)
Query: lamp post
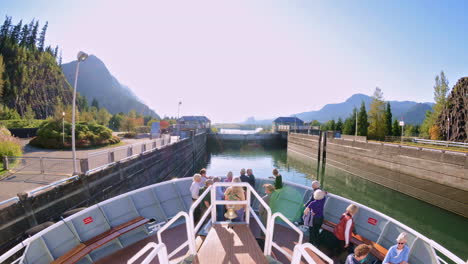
(81, 57)
(63, 128)
(178, 109)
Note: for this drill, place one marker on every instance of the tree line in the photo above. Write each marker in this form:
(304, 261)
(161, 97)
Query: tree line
(379, 121)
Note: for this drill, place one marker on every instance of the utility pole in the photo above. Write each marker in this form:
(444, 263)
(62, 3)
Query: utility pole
(355, 133)
(448, 128)
(63, 129)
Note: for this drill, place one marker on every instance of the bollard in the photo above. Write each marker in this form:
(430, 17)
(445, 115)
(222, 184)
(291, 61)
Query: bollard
(41, 162)
(143, 148)
(130, 151)
(84, 166)
(110, 157)
(28, 210)
(6, 165)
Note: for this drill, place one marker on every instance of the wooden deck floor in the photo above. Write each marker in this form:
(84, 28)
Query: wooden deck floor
(230, 245)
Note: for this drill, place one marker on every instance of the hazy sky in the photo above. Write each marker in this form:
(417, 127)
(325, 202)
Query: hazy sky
(233, 59)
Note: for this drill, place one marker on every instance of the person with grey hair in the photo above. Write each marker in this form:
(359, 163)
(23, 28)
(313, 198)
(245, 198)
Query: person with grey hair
(315, 186)
(399, 253)
(314, 210)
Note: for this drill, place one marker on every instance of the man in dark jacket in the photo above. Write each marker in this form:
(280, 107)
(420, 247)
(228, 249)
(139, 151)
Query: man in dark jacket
(243, 177)
(251, 178)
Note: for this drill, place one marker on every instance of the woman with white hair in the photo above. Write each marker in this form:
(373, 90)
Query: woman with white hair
(399, 253)
(315, 209)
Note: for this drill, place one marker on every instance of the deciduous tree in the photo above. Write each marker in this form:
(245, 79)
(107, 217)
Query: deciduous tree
(377, 115)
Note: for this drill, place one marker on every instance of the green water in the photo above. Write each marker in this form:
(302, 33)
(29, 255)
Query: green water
(448, 229)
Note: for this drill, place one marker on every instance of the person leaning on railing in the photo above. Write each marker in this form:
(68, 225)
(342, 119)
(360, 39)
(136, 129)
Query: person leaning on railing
(344, 228)
(399, 253)
(195, 190)
(219, 196)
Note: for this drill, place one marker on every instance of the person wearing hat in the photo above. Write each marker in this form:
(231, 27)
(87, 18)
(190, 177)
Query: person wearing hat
(316, 209)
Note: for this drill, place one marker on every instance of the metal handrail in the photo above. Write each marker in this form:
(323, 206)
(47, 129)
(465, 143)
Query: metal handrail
(190, 234)
(12, 199)
(299, 252)
(271, 229)
(52, 184)
(159, 250)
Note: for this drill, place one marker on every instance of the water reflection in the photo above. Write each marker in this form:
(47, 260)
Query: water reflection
(444, 227)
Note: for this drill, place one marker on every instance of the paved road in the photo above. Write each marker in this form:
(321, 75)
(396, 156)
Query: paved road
(28, 178)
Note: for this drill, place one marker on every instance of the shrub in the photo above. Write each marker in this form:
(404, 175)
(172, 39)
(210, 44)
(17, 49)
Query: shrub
(9, 146)
(50, 135)
(129, 135)
(142, 129)
(21, 123)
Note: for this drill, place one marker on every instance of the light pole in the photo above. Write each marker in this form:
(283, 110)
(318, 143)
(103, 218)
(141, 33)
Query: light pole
(448, 128)
(81, 57)
(63, 128)
(178, 109)
(355, 132)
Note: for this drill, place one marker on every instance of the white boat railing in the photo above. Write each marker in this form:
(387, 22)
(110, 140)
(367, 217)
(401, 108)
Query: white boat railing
(190, 237)
(271, 230)
(159, 250)
(300, 252)
(212, 208)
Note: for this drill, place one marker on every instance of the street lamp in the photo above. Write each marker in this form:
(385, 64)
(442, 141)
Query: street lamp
(63, 128)
(81, 57)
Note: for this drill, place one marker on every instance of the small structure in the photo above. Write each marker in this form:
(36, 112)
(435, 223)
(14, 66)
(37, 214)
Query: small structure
(288, 123)
(193, 123)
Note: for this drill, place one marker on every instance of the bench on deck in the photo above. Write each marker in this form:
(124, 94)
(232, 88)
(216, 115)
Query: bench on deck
(377, 250)
(83, 249)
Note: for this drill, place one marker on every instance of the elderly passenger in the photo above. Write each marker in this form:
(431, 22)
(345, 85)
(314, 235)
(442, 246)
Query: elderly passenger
(399, 253)
(345, 227)
(236, 193)
(315, 208)
(360, 254)
(229, 177)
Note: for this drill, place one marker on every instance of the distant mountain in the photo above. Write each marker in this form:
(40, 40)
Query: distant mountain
(252, 121)
(96, 82)
(417, 113)
(412, 110)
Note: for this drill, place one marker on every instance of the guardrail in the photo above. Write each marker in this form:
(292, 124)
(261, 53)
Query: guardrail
(190, 234)
(271, 229)
(159, 250)
(441, 143)
(300, 251)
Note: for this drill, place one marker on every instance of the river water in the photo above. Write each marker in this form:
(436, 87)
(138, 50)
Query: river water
(448, 229)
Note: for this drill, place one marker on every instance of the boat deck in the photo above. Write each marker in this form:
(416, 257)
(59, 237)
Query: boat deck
(232, 243)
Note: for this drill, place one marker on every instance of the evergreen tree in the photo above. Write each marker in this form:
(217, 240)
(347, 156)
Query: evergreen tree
(363, 125)
(377, 125)
(388, 120)
(15, 33)
(56, 51)
(5, 29)
(95, 103)
(339, 125)
(396, 129)
(349, 126)
(82, 103)
(60, 58)
(23, 40)
(103, 117)
(2, 69)
(441, 89)
(34, 27)
(41, 40)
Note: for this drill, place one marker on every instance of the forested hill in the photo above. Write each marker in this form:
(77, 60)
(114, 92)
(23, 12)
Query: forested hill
(96, 82)
(32, 79)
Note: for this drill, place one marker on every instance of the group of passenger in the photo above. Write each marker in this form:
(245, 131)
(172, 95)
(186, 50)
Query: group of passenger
(233, 193)
(342, 232)
(313, 214)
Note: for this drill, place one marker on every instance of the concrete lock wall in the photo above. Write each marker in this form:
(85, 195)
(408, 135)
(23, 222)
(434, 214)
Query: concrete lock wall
(436, 177)
(178, 160)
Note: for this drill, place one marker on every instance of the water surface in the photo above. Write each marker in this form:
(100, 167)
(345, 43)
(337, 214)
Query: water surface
(446, 228)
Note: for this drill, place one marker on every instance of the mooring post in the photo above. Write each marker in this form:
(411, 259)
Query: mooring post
(5, 163)
(84, 166)
(28, 210)
(324, 156)
(41, 163)
(110, 156)
(319, 153)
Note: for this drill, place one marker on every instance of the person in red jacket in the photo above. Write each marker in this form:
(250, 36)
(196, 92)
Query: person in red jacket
(343, 229)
